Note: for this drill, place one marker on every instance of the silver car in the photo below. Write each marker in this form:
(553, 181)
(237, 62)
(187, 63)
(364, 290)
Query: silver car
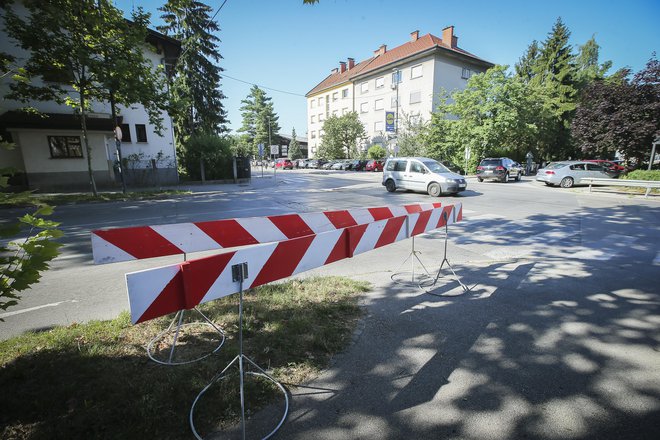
(421, 174)
(568, 173)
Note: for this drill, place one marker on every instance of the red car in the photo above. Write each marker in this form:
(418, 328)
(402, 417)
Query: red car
(284, 164)
(374, 165)
(614, 168)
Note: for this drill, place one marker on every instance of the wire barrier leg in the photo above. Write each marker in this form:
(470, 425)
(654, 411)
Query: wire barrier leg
(413, 256)
(178, 319)
(239, 272)
(445, 261)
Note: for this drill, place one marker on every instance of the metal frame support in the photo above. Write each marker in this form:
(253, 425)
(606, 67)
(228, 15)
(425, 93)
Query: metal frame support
(445, 260)
(239, 274)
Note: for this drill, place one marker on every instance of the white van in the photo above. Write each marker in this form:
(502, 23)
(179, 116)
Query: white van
(421, 174)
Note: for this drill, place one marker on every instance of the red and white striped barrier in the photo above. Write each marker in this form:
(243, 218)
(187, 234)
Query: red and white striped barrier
(158, 292)
(125, 244)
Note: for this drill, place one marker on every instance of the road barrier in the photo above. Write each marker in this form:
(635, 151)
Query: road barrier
(133, 243)
(164, 290)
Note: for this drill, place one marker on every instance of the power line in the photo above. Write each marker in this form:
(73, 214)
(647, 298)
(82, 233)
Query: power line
(261, 87)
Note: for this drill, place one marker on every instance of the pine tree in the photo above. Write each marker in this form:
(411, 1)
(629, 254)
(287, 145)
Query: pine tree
(294, 147)
(527, 64)
(195, 89)
(587, 64)
(259, 118)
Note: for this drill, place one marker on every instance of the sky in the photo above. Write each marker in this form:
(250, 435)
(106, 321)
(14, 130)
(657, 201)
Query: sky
(287, 46)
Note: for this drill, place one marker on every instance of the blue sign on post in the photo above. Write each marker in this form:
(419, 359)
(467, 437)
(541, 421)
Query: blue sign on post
(389, 121)
(261, 149)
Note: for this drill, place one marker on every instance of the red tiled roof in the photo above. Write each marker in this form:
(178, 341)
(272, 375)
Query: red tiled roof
(422, 44)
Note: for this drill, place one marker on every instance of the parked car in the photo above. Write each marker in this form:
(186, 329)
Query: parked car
(421, 174)
(356, 165)
(569, 173)
(339, 165)
(498, 168)
(284, 164)
(611, 167)
(451, 166)
(374, 165)
(327, 165)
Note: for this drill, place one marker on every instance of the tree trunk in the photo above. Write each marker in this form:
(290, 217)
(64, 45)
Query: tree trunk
(83, 120)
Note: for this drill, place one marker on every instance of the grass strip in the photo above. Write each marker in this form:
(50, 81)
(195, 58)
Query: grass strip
(30, 199)
(94, 380)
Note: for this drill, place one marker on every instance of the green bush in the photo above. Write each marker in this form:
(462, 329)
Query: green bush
(217, 155)
(643, 175)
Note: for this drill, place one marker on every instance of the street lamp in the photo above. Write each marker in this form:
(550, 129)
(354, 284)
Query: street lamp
(396, 73)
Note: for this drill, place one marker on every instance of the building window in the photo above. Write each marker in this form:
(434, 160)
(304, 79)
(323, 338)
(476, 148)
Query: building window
(320, 117)
(313, 135)
(312, 119)
(335, 96)
(415, 97)
(364, 87)
(378, 105)
(64, 147)
(397, 77)
(312, 103)
(126, 133)
(393, 102)
(380, 82)
(416, 71)
(141, 132)
(344, 93)
(320, 101)
(364, 107)
(344, 110)
(378, 126)
(466, 73)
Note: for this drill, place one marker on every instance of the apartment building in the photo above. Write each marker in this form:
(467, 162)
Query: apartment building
(406, 80)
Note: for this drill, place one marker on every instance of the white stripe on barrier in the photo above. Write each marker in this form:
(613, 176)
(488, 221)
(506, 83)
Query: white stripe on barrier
(105, 252)
(262, 229)
(319, 251)
(145, 286)
(186, 236)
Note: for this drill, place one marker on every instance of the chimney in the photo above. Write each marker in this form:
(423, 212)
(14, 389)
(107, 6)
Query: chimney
(342, 66)
(335, 70)
(381, 50)
(414, 36)
(448, 36)
(351, 63)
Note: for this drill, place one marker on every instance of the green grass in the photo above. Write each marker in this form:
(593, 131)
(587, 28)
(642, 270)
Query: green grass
(29, 199)
(94, 380)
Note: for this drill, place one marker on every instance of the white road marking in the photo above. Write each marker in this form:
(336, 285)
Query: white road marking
(32, 309)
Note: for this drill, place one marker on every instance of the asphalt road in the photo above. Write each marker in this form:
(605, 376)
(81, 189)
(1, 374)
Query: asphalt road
(558, 338)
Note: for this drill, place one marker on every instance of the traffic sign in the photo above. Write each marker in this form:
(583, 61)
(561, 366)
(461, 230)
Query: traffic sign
(274, 149)
(389, 121)
(261, 149)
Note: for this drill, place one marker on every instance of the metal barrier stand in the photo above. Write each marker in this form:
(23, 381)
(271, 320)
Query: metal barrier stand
(239, 274)
(412, 257)
(179, 326)
(445, 260)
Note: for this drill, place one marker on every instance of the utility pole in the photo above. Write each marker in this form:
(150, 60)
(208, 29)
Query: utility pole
(396, 73)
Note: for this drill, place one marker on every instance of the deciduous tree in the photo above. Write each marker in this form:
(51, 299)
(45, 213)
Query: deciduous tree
(342, 136)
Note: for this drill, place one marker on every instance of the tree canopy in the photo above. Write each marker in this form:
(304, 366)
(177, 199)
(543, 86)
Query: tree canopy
(260, 122)
(620, 114)
(294, 147)
(342, 135)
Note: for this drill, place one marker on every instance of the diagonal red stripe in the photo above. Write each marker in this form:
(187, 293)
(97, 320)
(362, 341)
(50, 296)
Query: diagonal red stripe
(227, 233)
(354, 236)
(340, 219)
(381, 213)
(420, 226)
(459, 217)
(445, 216)
(340, 251)
(199, 276)
(390, 232)
(140, 241)
(170, 300)
(413, 208)
(291, 225)
(437, 204)
(284, 260)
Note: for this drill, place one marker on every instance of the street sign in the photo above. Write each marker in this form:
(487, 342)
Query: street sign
(261, 149)
(274, 149)
(468, 153)
(118, 133)
(389, 121)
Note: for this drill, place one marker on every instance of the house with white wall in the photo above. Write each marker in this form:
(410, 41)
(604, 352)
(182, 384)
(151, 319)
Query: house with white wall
(405, 80)
(48, 146)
